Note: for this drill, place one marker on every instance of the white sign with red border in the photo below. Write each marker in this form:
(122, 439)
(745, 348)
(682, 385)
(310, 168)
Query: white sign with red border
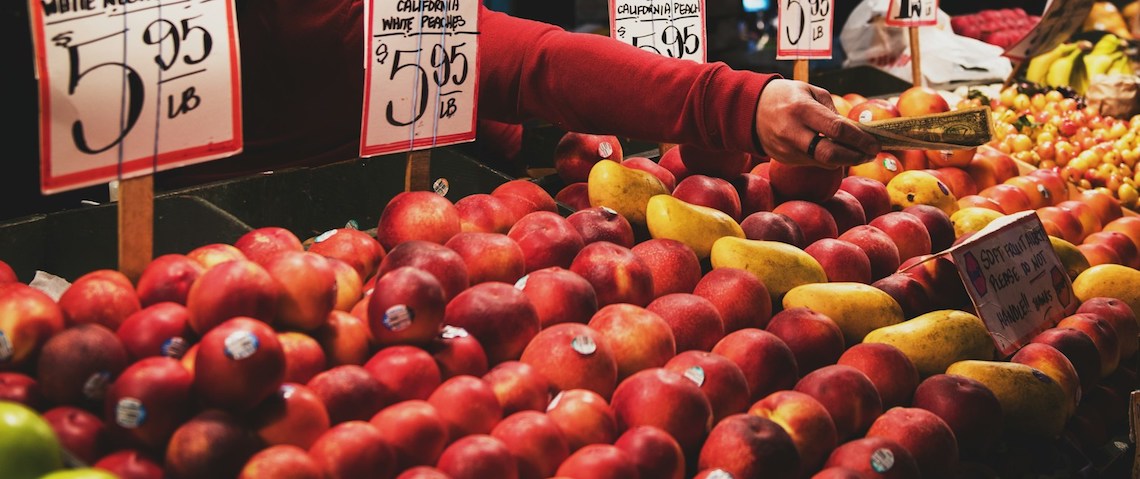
(1018, 285)
(1058, 22)
(673, 28)
(421, 74)
(130, 88)
(804, 29)
(912, 13)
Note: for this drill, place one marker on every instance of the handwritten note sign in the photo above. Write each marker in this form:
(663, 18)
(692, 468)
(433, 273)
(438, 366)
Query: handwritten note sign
(128, 88)
(420, 75)
(805, 28)
(1015, 280)
(674, 28)
(1059, 21)
(912, 13)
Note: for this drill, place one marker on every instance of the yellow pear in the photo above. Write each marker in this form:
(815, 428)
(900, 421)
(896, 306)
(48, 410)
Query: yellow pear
(780, 266)
(972, 219)
(856, 307)
(1032, 403)
(695, 225)
(935, 340)
(1110, 281)
(623, 189)
(917, 187)
(1071, 258)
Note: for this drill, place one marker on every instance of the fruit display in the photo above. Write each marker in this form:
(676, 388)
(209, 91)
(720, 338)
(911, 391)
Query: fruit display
(1074, 64)
(1003, 27)
(701, 314)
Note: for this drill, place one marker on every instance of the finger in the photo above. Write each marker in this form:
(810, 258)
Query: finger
(822, 96)
(840, 130)
(832, 154)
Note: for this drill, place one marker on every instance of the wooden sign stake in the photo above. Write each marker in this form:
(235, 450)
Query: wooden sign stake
(136, 225)
(417, 175)
(800, 70)
(915, 57)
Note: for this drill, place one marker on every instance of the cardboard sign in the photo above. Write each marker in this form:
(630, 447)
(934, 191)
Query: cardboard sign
(1059, 21)
(912, 13)
(420, 76)
(805, 29)
(674, 28)
(129, 88)
(1018, 285)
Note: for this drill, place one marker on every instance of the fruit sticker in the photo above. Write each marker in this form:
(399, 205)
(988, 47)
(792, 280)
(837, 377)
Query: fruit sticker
(130, 413)
(696, 374)
(584, 345)
(96, 385)
(240, 345)
(605, 150)
(6, 350)
(174, 347)
(890, 163)
(398, 317)
(882, 460)
(521, 283)
(440, 186)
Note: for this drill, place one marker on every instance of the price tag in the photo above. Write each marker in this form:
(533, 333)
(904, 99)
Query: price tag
(673, 28)
(805, 29)
(1059, 21)
(129, 88)
(420, 75)
(912, 13)
(1015, 280)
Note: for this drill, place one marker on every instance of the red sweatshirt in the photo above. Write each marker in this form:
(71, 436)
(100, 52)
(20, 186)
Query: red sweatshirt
(302, 83)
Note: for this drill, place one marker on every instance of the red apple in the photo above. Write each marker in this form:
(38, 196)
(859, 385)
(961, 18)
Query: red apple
(716, 193)
(354, 449)
(770, 226)
(498, 315)
(894, 375)
(746, 445)
(719, 378)
(738, 295)
(282, 461)
(28, 318)
(668, 400)
(814, 220)
(232, 289)
(212, 444)
(457, 352)
(695, 321)
(262, 244)
(842, 261)
(416, 431)
(294, 415)
(875, 457)
(805, 420)
(601, 223)
(417, 215)
(584, 418)
(103, 297)
(304, 357)
(908, 232)
(575, 196)
(573, 356)
(77, 364)
(350, 393)
(81, 433)
(357, 248)
(848, 394)
(407, 371)
(23, 389)
(872, 195)
(576, 154)
(535, 441)
(815, 339)
(652, 167)
(239, 364)
(673, 265)
(803, 182)
(130, 464)
(967, 406)
(767, 362)
(755, 193)
(468, 405)
(344, 338)
(484, 213)
(168, 278)
(546, 239)
(213, 254)
(653, 451)
(407, 306)
(519, 387)
(616, 273)
(1121, 316)
(559, 295)
(148, 401)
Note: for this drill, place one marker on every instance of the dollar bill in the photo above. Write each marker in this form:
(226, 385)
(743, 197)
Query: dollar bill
(954, 130)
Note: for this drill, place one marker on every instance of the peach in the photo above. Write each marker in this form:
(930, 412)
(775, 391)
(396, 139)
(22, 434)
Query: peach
(519, 387)
(638, 338)
(1011, 198)
(671, 160)
(559, 296)
(803, 182)
(601, 223)
(168, 278)
(990, 166)
(304, 357)
(1121, 316)
(546, 239)
(1054, 364)
(937, 223)
(416, 431)
(846, 210)
(814, 220)
(921, 100)
(407, 306)
(468, 405)
(529, 192)
(958, 180)
(1129, 225)
(881, 252)
(148, 401)
(294, 415)
(908, 232)
(457, 352)
(1079, 348)
(908, 292)
(212, 444)
(576, 153)
(1090, 222)
(881, 169)
(967, 406)
(1120, 243)
(875, 109)
(535, 441)
(665, 399)
(354, 449)
(584, 418)
(283, 460)
(755, 193)
(489, 256)
(573, 356)
(875, 457)
(442, 262)
(104, 297)
(262, 244)
(28, 319)
(767, 362)
(357, 248)
(498, 315)
(653, 451)
(575, 196)
(599, 461)
(1102, 333)
(842, 261)
(694, 320)
(160, 329)
(231, 289)
(718, 163)
(344, 338)
(872, 195)
(892, 372)
(738, 295)
(1106, 206)
(77, 364)
(807, 422)
(408, 372)
(652, 167)
(815, 339)
(616, 273)
(923, 434)
(848, 394)
(674, 266)
(307, 288)
(766, 225)
(213, 254)
(484, 213)
(747, 445)
(350, 393)
(716, 193)
(719, 378)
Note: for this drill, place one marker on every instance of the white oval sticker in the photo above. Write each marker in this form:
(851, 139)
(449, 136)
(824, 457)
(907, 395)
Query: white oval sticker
(696, 374)
(882, 460)
(584, 345)
(130, 413)
(398, 317)
(240, 345)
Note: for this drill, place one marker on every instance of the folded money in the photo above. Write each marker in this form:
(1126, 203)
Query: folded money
(953, 130)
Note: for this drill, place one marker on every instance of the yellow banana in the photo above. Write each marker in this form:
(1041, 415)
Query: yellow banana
(1039, 65)
(1099, 64)
(1121, 66)
(1061, 70)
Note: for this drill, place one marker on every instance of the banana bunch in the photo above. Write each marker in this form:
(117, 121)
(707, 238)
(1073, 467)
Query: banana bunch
(1075, 64)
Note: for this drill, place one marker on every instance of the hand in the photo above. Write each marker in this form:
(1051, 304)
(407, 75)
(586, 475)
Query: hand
(790, 114)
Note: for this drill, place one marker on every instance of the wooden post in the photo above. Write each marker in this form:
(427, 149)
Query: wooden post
(800, 70)
(136, 225)
(915, 57)
(417, 175)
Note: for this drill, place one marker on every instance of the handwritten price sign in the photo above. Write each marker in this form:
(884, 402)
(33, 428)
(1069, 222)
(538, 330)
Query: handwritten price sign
(805, 28)
(421, 75)
(673, 28)
(129, 88)
(912, 13)
(1059, 21)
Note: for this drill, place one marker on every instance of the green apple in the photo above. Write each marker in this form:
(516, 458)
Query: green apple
(82, 473)
(28, 445)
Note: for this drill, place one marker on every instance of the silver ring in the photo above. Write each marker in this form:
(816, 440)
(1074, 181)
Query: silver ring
(814, 143)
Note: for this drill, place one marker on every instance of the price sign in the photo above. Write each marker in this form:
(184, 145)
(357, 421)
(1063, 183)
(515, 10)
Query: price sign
(673, 28)
(912, 13)
(805, 28)
(1015, 280)
(420, 75)
(1059, 21)
(129, 88)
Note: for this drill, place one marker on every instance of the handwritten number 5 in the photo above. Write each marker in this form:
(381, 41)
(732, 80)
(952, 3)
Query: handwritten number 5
(800, 30)
(423, 93)
(134, 99)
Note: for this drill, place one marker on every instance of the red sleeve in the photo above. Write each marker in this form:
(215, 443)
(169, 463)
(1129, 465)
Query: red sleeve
(594, 84)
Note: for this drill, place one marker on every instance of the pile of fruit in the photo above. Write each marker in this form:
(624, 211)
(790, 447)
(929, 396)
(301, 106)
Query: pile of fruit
(1075, 64)
(703, 315)
(1002, 27)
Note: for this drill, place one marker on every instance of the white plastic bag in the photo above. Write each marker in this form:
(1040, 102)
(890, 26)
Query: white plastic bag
(946, 57)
